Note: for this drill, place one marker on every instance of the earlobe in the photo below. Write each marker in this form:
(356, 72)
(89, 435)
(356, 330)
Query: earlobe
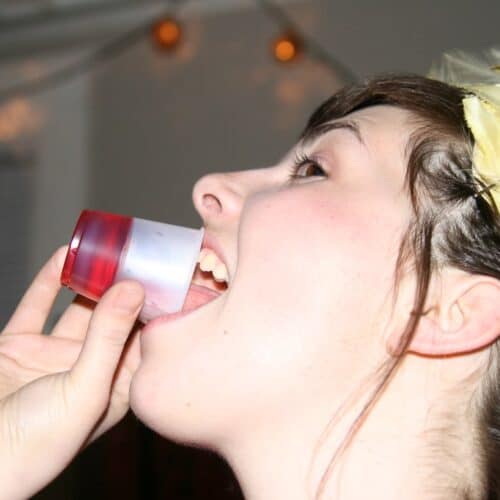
(466, 319)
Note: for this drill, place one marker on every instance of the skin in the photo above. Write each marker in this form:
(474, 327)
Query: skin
(257, 374)
(61, 391)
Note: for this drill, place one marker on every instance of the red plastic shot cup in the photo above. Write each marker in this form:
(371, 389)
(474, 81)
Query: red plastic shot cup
(106, 248)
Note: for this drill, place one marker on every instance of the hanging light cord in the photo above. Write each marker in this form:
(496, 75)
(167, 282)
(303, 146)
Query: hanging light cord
(122, 43)
(105, 52)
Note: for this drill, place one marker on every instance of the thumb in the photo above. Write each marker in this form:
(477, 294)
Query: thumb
(109, 328)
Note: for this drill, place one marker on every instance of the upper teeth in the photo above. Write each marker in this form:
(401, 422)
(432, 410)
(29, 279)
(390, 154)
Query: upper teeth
(210, 262)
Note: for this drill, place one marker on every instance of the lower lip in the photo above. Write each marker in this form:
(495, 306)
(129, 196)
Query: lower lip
(197, 297)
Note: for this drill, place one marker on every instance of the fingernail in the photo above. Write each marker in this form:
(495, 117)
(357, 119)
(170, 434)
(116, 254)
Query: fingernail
(128, 299)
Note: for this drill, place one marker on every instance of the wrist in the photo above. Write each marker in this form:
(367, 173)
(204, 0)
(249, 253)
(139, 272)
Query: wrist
(15, 483)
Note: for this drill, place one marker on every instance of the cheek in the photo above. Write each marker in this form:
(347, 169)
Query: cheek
(316, 259)
(312, 236)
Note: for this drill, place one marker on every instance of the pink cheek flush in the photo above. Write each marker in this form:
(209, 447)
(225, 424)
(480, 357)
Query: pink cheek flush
(106, 248)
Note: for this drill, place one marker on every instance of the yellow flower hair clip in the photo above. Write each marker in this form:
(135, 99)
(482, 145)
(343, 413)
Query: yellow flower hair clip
(481, 110)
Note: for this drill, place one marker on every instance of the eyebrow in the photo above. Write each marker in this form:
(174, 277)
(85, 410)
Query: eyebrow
(318, 131)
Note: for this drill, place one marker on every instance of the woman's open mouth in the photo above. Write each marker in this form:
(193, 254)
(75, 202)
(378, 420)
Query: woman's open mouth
(210, 280)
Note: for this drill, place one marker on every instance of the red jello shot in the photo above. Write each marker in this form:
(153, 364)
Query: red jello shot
(106, 248)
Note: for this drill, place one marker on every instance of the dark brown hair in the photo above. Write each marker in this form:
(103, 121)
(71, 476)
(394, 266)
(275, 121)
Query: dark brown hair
(454, 224)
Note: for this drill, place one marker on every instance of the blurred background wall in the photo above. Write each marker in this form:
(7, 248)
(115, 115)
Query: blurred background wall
(133, 134)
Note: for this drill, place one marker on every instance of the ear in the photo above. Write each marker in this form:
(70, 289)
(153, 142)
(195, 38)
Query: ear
(464, 318)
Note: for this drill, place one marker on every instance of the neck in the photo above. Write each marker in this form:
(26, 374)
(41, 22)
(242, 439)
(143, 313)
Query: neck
(391, 457)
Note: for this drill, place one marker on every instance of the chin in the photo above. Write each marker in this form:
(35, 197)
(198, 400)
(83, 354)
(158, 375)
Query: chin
(143, 399)
(168, 416)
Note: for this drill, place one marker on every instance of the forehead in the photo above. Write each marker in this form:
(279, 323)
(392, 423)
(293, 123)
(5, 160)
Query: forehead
(382, 118)
(383, 130)
(376, 123)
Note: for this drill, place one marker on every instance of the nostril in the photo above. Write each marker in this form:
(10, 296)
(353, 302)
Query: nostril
(211, 203)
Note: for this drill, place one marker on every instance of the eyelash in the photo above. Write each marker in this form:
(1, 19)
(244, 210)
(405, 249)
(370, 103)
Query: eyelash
(302, 159)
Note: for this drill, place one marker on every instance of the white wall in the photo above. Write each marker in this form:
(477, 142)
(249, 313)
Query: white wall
(41, 201)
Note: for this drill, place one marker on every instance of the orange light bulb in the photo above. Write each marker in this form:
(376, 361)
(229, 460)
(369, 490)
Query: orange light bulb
(167, 33)
(286, 47)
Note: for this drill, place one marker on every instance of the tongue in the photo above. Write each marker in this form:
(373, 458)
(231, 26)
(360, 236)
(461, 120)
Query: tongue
(198, 296)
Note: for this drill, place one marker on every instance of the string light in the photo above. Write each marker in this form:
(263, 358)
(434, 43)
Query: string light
(17, 118)
(167, 33)
(311, 46)
(287, 47)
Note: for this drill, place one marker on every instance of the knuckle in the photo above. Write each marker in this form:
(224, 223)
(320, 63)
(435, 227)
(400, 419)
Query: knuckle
(125, 298)
(56, 263)
(113, 335)
(59, 256)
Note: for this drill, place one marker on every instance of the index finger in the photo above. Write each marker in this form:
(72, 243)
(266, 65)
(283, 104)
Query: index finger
(35, 305)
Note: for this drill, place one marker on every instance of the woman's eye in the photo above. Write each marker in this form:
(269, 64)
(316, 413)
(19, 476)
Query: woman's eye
(305, 166)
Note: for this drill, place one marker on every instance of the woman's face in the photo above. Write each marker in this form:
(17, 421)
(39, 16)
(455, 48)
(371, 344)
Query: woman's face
(311, 265)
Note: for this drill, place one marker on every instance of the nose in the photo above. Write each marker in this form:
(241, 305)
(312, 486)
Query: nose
(218, 196)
